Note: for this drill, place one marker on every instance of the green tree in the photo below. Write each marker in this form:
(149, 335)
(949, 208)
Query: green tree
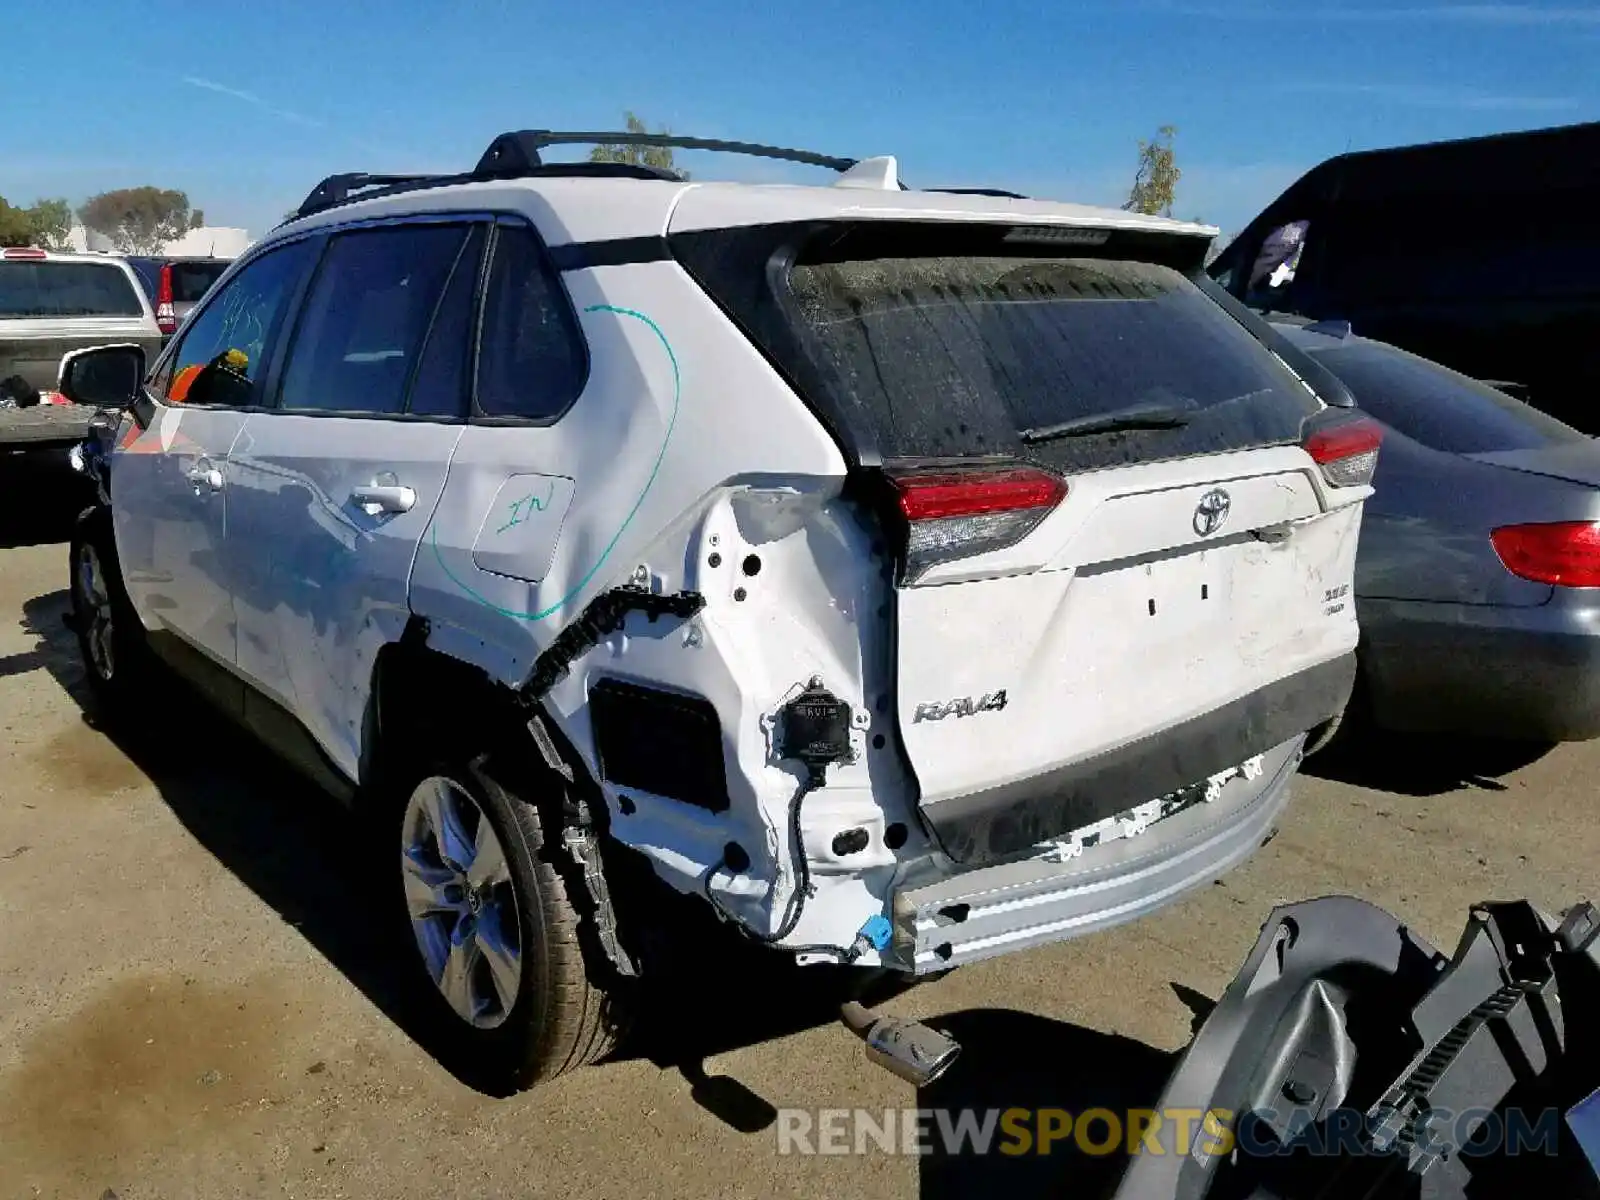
(1155, 185)
(197, 219)
(16, 229)
(52, 222)
(137, 220)
(639, 156)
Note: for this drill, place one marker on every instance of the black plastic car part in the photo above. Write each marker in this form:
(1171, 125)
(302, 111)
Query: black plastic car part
(603, 615)
(653, 740)
(1350, 1058)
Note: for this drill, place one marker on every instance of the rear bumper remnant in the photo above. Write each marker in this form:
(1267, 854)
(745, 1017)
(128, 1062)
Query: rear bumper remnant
(1000, 909)
(1001, 822)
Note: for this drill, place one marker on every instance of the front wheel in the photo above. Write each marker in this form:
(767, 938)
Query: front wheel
(496, 931)
(110, 638)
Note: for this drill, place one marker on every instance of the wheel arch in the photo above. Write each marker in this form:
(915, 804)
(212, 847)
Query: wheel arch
(418, 691)
(427, 704)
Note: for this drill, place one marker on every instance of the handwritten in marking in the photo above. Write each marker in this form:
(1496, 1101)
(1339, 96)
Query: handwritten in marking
(523, 509)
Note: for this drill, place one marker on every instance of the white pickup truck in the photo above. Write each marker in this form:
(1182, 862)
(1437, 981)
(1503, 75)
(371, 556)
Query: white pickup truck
(52, 303)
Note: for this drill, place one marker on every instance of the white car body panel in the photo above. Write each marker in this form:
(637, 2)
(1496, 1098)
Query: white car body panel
(660, 424)
(171, 525)
(319, 582)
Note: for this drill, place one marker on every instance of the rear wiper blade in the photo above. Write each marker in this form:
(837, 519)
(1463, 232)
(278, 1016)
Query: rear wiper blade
(1139, 416)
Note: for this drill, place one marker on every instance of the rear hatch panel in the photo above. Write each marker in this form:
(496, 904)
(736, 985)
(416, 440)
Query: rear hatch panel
(1182, 607)
(1137, 659)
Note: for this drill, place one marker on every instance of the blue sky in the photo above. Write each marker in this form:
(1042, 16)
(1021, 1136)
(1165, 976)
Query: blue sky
(245, 107)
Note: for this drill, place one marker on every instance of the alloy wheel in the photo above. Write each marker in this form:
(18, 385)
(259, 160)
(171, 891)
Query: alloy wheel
(462, 904)
(94, 613)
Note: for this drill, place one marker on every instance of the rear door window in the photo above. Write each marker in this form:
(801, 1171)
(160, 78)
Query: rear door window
(66, 289)
(531, 356)
(1438, 407)
(442, 385)
(361, 334)
(955, 356)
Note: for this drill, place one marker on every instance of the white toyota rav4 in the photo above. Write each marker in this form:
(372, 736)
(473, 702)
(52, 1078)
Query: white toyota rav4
(913, 576)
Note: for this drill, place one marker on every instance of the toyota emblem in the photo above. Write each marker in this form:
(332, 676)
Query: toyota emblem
(1211, 512)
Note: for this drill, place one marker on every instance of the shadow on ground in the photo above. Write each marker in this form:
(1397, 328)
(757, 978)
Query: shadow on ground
(1016, 1060)
(321, 870)
(1422, 765)
(313, 864)
(43, 497)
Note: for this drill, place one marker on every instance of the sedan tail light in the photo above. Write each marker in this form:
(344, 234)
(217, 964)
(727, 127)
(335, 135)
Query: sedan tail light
(1562, 553)
(956, 513)
(166, 315)
(1344, 445)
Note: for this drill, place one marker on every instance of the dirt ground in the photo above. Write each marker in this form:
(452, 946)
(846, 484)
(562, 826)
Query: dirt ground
(196, 1001)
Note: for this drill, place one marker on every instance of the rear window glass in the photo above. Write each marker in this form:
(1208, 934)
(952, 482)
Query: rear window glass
(190, 281)
(66, 289)
(961, 355)
(1438, 407)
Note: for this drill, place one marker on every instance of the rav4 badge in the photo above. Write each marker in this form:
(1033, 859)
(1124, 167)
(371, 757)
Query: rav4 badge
(961, 706)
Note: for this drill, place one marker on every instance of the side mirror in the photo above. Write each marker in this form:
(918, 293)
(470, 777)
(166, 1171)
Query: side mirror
(103, 376)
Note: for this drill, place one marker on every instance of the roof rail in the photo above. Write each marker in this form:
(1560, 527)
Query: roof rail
(336, 189)
(513, 153)
(516, 154)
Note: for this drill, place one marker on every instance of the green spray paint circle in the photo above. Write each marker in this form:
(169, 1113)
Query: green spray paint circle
(589, 575)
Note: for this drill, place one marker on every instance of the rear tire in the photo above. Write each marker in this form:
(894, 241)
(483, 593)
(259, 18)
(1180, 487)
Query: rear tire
(111, 640)
(497, 937)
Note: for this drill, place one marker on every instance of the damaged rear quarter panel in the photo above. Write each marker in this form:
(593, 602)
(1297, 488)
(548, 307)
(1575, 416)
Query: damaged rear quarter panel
(684, 445)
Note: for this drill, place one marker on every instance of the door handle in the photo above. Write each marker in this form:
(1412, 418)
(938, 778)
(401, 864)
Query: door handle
(382, 498)
(207, 477)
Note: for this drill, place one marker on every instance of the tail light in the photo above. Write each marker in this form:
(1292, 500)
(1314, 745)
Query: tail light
(1563, 553)
(29, 252)
(953, 514)
(1344, 446)
(166, 315)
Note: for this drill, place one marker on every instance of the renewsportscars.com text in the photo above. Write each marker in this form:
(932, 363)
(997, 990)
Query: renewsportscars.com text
(1184, 1131)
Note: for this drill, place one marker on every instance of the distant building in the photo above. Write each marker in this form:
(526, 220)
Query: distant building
(209, 241)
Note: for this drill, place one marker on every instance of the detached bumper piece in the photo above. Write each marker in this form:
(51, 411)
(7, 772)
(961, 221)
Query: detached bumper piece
(996, 910)
(1351, 1058)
